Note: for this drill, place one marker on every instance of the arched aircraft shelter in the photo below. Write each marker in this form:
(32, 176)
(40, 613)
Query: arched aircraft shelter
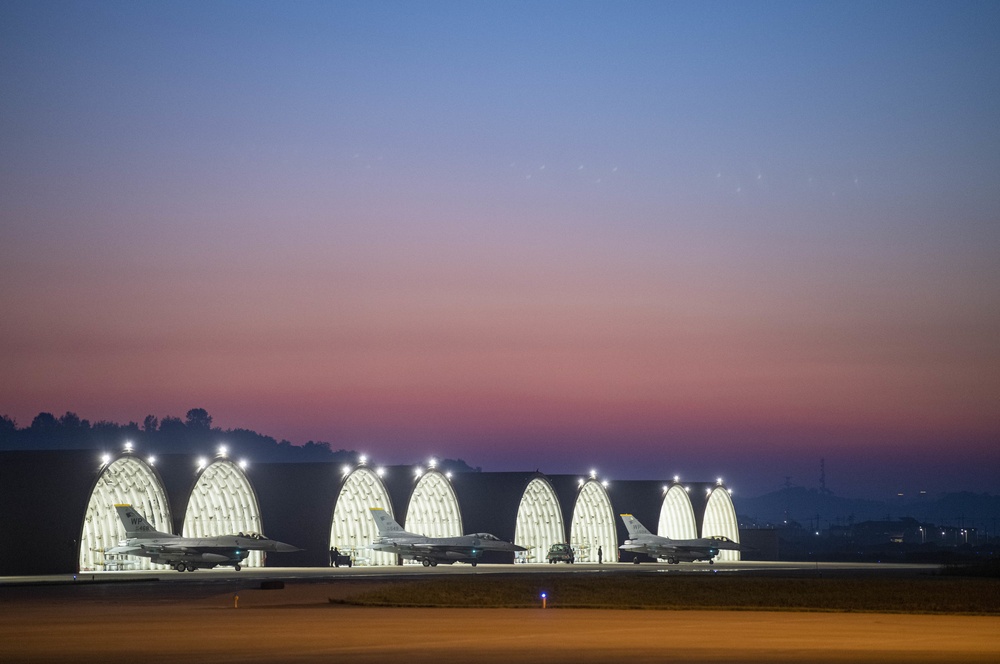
(539, 522)
(677, 520)
(720, 519)
(353, 528)
(126, 479)
(593, 523)
(433, 508)
(223, 502)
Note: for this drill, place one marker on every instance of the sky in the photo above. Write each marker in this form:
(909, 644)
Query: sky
(653, 238)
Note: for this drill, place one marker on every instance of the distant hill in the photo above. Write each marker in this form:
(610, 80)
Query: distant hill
(803, 506)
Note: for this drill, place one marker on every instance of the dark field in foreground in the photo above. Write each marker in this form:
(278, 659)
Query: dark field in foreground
(299, 624)
(926, 594)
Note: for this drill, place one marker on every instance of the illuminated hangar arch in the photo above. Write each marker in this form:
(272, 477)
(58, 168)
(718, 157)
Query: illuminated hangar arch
(539, 522)
(353, 527)
(433, 510)
(223, 502)
(593, 524)
(677, 520)
(720, 519)
(127, 479)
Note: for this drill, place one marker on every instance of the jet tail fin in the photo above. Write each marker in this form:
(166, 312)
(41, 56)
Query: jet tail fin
(635, 529)
(387, 526)
(135, 523)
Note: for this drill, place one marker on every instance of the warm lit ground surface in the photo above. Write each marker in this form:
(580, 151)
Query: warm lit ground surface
(298, 624)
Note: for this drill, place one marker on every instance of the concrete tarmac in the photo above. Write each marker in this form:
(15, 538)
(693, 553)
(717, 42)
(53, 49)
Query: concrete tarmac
(155, 622)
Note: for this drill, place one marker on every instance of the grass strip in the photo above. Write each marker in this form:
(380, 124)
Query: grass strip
(937, 594)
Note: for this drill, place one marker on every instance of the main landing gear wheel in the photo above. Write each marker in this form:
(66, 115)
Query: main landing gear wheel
(427, 563)
(237, 567)
(180, 567)
(191, 567)
(635, 561)
(473, 563)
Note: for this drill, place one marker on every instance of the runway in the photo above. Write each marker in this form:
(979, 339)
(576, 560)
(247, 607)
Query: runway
(315, 574)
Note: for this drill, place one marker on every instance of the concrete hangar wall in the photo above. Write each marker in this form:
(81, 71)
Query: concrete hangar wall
(59, 507)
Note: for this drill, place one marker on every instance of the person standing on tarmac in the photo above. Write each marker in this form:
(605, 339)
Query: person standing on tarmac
(600, 555)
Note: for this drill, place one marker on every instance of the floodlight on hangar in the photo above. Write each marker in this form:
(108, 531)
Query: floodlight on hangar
(353, 528)
(223, 502)
(127, 479)
(677, 520)
(593, 523)
(720, 519)
(433, 510)
(539, 522)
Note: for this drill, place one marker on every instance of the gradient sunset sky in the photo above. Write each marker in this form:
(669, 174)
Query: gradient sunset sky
(706, 238)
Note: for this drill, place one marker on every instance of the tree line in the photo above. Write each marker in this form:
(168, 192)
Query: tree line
(172, 435)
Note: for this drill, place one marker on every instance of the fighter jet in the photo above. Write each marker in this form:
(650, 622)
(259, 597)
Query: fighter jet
(188, 553)
(673, 551)
(433, 550)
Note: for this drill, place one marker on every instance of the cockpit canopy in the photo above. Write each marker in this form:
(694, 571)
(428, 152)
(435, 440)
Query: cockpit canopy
(487, 536)
(253, 536)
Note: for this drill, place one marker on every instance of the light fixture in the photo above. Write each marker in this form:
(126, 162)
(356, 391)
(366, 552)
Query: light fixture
(128, 445)
(105, 458)
(380, 471)
(152, 460)
(243, 464)
(448, 474)
(432, 463)
(202, 462)
(363, 459)
(345, 469)
(593, 473)
(223, 450)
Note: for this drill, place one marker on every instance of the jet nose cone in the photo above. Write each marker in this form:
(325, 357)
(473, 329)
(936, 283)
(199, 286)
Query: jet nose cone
(518, 547)
(281, 547)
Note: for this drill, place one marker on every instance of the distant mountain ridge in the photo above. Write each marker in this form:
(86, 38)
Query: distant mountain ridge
(806, 507)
